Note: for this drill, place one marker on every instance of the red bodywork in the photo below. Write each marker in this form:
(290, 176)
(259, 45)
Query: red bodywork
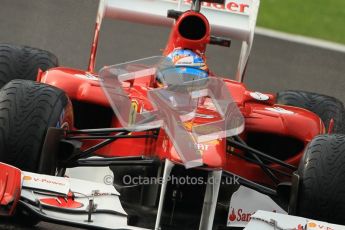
(299, 124)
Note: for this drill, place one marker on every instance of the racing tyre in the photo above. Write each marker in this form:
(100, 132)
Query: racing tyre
(27, 110)
(325, 107)
(22, 62)
(322, 180)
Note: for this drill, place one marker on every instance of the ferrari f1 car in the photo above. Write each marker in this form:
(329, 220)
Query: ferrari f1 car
(177, 146)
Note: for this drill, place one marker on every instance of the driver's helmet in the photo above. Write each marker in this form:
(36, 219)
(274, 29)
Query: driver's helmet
(187, 65)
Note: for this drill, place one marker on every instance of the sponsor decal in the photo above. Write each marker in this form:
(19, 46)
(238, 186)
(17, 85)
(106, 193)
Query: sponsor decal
(185, 61)
(201, 147)
(133, 112)
(318, 226)
(313, 225)
(87, 76)
(27, 178)
(264, 219)
(44, 182)
(98, 193)
(229, 6)
(259, 96)
(245, 202)
(240, 215)
(280, 110)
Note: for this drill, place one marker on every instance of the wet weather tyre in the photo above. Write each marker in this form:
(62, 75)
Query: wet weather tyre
(322, 180)
(23, 62)
(325, 107)
(27, 110)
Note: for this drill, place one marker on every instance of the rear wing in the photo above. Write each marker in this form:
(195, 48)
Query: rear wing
(235, 19)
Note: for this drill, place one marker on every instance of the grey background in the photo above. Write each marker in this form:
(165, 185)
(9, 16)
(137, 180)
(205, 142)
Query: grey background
(65, 27)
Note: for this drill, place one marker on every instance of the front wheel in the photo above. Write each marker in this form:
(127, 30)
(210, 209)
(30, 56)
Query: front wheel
(322, 180)
(27, 110)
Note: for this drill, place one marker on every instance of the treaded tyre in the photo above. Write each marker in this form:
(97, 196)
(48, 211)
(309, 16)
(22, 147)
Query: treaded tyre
(23, 62)
(322, 180)
(27, 110)
(325, 107)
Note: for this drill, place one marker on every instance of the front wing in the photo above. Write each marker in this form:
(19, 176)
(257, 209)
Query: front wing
(61, 200)
(91, 205)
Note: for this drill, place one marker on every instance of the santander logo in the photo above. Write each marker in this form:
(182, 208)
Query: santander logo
(240, 215)
(232, 216)
(230, 6)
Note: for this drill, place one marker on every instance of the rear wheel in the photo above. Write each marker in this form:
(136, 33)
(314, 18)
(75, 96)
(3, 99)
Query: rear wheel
(325, 107)
(322, 180)
(27, 110)
(22, 62)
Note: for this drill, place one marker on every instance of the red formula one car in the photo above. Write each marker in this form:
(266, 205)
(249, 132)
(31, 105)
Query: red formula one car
(186, 149)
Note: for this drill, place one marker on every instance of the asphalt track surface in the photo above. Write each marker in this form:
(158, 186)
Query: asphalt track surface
(65, 27)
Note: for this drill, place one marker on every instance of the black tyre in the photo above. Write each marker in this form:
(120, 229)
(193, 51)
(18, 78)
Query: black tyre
(27, 110)
(325, 107)
(322, 180)
(22, 62)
